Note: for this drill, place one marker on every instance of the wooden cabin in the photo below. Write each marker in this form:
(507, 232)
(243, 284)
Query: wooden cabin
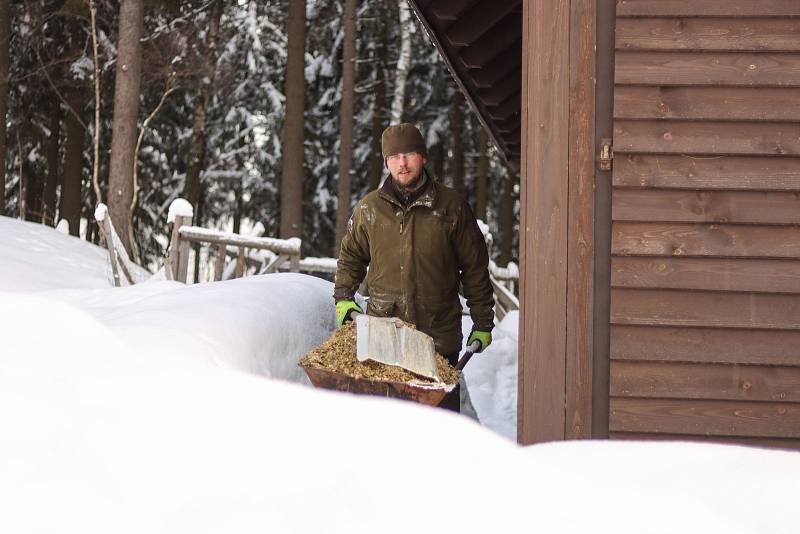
(658, 143)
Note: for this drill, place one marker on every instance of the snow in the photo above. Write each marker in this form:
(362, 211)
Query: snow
(179, 207)
(82, 68)
(100, 212)
(154, 408)
(318, 265)
(37, 258)
(491, 377)
(285, 246)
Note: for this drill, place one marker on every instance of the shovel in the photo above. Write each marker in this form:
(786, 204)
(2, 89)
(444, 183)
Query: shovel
(469, 353)
(389, 340)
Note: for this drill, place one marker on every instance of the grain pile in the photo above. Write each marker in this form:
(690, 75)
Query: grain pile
(338, 354)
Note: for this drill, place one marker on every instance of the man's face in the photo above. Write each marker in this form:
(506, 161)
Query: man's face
(405, 168)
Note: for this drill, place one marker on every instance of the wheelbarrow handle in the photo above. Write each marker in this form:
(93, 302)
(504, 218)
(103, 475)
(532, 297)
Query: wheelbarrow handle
(474, 346)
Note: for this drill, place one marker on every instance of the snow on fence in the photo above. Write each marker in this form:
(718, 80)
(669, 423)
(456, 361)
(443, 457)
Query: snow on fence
(177, 266)
(117, 255)
(263, 254)
(266, 255)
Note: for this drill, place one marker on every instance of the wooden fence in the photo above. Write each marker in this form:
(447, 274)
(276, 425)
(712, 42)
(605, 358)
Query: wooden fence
(261, 254)
(177, 265)
(123, 270)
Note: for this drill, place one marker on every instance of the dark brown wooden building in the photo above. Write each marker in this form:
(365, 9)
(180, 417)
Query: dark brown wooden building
(659, 148)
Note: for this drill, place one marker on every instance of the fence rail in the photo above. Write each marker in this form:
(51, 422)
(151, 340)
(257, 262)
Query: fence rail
(262, 254)
(177, 266)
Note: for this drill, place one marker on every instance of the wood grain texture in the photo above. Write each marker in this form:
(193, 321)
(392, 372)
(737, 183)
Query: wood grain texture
(705, 381)
(545, 175)
(705, 345)
(696, 137)
(707, 68)
(708, 103)
(725, 34)
(680, 239)
(719, 418)
(667, 307)
(604, 122)
(710, 274)
(708, 8)
(697, 172)
(705, 299)
(748, 207)
(580, 233)
(772, 443)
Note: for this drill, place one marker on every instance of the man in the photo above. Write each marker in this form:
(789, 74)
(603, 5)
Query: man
(420, 240)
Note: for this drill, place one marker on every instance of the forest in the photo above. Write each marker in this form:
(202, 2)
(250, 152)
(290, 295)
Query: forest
(266, 115)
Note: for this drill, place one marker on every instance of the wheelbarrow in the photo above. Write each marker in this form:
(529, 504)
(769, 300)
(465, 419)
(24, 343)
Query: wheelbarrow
(430, 394)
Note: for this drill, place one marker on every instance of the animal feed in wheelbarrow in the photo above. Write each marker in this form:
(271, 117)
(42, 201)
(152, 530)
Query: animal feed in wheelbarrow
(338, 354)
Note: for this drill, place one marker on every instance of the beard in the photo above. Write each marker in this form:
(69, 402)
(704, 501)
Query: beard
(413, 185)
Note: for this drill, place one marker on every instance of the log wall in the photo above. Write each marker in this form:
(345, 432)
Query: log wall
(705, 251)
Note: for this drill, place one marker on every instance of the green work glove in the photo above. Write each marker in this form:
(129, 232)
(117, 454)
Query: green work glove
(343, 309)
(485, 339)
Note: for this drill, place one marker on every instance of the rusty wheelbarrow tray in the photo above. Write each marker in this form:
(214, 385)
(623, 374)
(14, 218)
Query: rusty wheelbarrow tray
(422, 393)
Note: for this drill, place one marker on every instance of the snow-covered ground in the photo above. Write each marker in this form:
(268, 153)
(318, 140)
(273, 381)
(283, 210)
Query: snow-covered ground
(154, 408)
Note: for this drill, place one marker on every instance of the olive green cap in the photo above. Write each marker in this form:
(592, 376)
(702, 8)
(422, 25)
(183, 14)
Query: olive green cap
(402, 138)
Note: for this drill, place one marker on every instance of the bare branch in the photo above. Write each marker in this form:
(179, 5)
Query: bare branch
(55, 89)
(135, 199)
(96, 171)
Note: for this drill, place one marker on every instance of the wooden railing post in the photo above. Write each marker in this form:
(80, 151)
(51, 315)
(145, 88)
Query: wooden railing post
(219, 263)
(240, 263)
(180, 214)
(112, 253)
(183, 249)
(178, 260)
(116, 253)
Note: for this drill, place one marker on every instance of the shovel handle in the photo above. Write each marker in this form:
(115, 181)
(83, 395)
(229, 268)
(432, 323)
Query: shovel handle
(475, 345)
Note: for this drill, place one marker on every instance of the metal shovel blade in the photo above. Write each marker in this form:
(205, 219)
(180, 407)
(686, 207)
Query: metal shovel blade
(388, 340)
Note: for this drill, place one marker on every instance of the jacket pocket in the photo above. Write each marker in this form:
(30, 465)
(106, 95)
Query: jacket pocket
(378, 307)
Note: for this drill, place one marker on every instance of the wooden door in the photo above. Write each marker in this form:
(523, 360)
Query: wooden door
(705, 245)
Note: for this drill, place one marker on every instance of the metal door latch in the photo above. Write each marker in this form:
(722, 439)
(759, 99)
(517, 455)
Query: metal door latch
(606, 154)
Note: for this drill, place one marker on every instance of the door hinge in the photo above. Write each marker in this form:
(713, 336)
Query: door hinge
(606, 154)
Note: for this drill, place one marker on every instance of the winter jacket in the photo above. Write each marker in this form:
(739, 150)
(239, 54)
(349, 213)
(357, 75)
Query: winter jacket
(417, 256)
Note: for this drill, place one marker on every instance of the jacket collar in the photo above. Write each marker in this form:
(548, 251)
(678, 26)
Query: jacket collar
(426, 199)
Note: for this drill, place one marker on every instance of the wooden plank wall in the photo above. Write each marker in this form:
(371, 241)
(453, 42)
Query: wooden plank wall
(705, 267)
(544, 200)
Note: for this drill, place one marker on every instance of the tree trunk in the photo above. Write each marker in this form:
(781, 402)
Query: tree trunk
(197, 146)
(33, 184)
(92, 229)
(403, 63)
(126, 114)
(346, 122)
(507, 221)
(482, 179)
(292, 175)
(439, 155)
(457, 170)
(70, 205)
(199, 216)
(376, 164)
(238, 209)
(5, 34)
(52, 179)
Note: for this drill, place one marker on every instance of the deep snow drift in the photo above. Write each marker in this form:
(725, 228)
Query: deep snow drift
(124, 410)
